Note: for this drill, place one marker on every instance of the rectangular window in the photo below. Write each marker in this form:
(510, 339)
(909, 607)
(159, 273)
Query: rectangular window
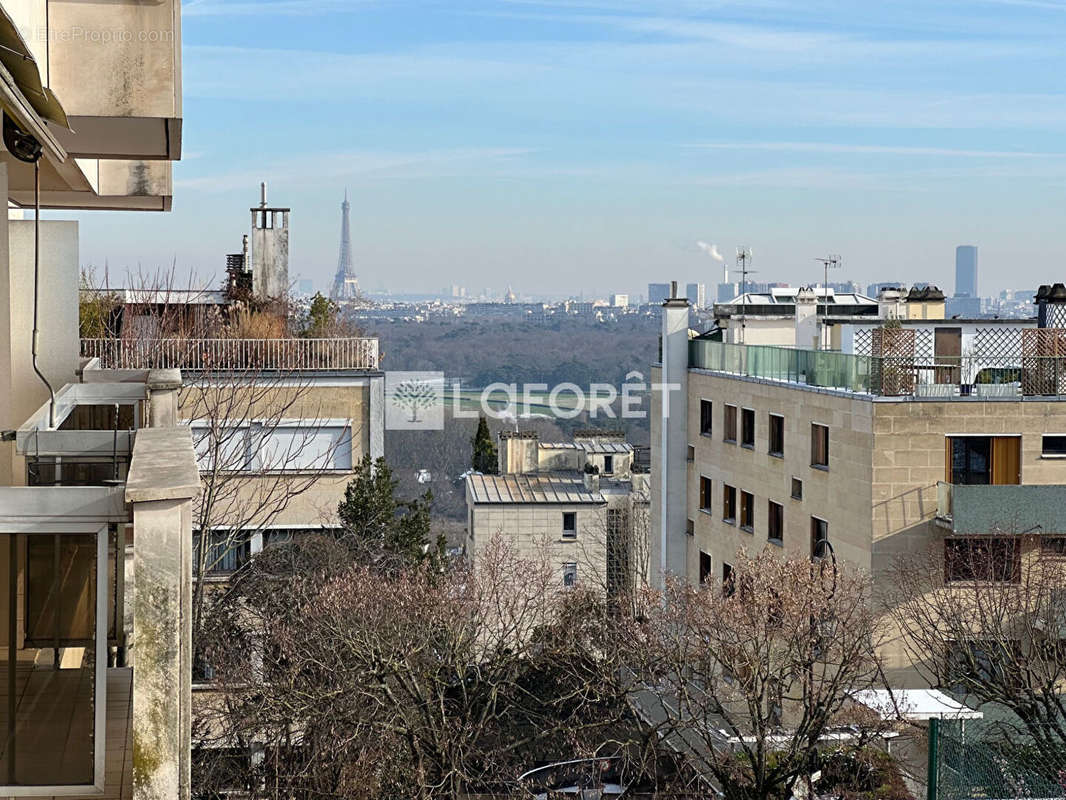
(775, 522)
(705, 494)
(226, 552)
(1053, 446)
(797, 489)
(690, 455)
(728, 580)
(273, 445)
(819, 445)
(729, 432)
(570, 574)
(747, 427)
(819, 535)
(1053, 545)
(690, 527)
(983, 460)
(747, 511)
(777, 435)
(569, 524)
(705, 567)
(706, 417)
(982, 558)
(729, 504)
(608, 465)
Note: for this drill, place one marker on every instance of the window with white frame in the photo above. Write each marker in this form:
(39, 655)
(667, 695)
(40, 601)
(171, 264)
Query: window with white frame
(288, 445)
(570, 574)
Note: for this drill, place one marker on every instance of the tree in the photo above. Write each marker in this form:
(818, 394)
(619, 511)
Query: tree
(417, 683)
(984, 617)
(746, 678)
(484, 458)
(382, 525)
(321, 317)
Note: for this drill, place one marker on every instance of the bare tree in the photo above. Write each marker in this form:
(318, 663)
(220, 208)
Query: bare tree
(746, 679)
(417, 683)
(985, 616)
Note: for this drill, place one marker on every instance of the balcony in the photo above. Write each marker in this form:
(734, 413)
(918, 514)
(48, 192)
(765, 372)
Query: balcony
(1012, 509)
(200, 355)
(935, 378)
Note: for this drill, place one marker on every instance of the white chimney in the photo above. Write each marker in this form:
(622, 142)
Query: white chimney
(807, 318)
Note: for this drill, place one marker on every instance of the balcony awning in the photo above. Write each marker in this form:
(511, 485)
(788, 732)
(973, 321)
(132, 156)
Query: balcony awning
(16, 57)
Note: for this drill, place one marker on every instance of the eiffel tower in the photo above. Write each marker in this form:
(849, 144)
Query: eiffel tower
(346, 282)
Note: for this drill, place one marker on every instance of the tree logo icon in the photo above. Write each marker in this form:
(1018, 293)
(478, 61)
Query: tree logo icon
(414, 400)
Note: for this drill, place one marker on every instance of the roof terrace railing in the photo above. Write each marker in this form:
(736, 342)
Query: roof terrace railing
(234, 354)
(942, 377)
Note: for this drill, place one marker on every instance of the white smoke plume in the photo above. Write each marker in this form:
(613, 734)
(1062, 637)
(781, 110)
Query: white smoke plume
(711, 250)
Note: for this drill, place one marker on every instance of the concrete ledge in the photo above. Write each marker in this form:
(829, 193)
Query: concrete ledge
(163, 466)
(163, 379)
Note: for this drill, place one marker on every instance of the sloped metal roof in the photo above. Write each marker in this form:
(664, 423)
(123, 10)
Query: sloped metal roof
(550, 487)
(590, 446)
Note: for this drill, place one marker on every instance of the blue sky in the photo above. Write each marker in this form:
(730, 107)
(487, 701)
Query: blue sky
(571, 145)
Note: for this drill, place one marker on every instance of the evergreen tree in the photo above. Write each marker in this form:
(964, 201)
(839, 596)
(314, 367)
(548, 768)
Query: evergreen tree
(383, 524)
(484, 459)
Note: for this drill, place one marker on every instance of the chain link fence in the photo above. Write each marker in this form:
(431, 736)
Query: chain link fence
(995, 759)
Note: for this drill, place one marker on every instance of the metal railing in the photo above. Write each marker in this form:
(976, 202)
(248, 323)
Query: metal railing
(939, 377)
(234, 354)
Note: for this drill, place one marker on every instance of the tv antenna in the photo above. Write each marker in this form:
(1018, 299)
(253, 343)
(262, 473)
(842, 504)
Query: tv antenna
(744, 256)
(828, 262)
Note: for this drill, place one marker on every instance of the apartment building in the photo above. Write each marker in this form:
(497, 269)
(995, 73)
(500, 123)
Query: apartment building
(97, 479)
(582, 505)
(937, 437)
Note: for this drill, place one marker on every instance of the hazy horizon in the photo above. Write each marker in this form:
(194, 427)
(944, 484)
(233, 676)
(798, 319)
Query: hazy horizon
(561, 147)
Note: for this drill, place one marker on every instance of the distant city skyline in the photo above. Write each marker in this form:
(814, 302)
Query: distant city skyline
(570, 146)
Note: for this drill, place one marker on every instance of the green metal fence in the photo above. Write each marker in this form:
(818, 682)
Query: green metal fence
(986, 760)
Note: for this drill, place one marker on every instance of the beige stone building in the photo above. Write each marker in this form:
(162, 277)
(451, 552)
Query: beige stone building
(581, 505)
(861, 457)
(97, 479)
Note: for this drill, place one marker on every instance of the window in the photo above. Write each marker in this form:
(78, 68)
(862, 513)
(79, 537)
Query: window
(819, 534)
(690, 527)
(775, 521)
(797, 489)
(1054, 446)
(570, 574)
(747, 511)
(747, 428)
(1053, 545)
(729, 504)
(729, 434)
(226, 552)
(706, 419)
(705, 494)
(691, 454)
(608, 465)
(273, 446)
(728, 580)
(983, 460)
(777, 435)
(569, 524)
(705, 567)
(819, 445)
(982, 558)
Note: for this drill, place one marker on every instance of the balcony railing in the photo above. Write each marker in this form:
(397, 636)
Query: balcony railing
(1010, 509)
(941, 377)
(234, 354)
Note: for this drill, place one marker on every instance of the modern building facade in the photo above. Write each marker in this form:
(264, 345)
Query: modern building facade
(97, 479)
(923, 439)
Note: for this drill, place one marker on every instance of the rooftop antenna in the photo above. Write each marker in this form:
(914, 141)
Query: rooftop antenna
(828, 262)
(743, 260)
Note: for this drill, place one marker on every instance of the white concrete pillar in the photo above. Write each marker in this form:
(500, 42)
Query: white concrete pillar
(163, 386)
(671, 547)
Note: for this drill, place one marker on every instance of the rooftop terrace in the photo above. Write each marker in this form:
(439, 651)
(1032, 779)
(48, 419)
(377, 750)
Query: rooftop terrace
(940, 377)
